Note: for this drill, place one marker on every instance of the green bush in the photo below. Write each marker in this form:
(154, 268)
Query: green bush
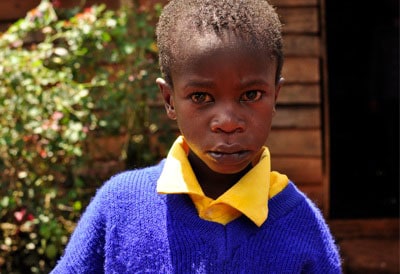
(66, 75)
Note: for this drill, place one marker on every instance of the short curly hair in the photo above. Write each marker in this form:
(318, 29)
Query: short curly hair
(254, 21)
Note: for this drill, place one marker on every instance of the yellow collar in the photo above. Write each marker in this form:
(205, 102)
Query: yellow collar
(249, 196)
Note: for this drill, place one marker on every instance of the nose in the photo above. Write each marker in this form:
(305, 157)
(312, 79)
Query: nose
(227, 120)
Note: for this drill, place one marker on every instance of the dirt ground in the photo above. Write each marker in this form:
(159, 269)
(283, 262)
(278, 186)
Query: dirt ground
(370, 255)
(368, 246)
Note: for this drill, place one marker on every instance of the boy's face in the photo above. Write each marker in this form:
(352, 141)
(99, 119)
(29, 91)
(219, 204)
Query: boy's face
(223, 98)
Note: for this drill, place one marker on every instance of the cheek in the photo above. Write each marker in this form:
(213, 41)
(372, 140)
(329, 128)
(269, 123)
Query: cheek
(264, 114)
(262, 121)
(189, 121)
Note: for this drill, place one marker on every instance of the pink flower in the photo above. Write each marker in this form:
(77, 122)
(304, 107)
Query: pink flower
(57, 115)
(19, 215)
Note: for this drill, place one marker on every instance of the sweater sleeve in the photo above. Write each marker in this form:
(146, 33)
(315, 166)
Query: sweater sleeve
(85, 250)
(325, 258)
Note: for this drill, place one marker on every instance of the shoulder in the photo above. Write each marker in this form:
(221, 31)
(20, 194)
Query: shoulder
(129, 185)
(138, 178)
(291, 200)
(302, 225)
(294, 210)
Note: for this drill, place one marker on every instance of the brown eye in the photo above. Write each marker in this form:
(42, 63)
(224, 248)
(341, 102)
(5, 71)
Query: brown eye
(200, 98)
(251, 96)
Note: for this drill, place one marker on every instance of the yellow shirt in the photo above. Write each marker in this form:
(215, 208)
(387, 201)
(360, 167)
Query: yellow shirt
(249, 196)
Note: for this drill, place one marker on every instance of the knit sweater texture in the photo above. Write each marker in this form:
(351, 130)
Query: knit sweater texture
(129, 228)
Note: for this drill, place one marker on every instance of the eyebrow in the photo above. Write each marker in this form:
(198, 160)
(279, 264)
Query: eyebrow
(253, 82)
(200, 84)
(209, 84)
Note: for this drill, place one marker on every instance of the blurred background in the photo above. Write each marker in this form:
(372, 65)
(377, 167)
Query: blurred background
(78, 103)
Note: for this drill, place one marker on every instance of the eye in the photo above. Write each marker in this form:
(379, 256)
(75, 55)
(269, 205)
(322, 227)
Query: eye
(251, 96)
(201, 98)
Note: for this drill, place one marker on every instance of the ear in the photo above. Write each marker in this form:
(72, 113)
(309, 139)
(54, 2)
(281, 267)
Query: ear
(277, 90)
(167, 94)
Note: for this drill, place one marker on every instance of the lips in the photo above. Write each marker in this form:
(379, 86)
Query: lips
(228, 154)
(222, 154)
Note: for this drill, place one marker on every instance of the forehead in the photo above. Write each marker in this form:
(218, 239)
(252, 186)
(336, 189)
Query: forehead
(203, 50)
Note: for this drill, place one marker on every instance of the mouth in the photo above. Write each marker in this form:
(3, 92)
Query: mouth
(219, 154)
(228, 155)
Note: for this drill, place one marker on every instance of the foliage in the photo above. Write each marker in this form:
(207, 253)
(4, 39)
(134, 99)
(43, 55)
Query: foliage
(64, 76)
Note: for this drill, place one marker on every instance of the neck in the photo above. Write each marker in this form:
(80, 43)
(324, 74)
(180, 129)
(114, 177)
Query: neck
(213, 184)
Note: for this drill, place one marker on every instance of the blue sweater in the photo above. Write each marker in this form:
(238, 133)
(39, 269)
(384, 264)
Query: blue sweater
(129, 228)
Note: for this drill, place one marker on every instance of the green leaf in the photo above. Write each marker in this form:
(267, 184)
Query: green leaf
(77, 206)
(51, 251)
(5, 201)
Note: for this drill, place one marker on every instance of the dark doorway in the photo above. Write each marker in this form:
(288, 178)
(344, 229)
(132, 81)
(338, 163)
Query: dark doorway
(363, 71)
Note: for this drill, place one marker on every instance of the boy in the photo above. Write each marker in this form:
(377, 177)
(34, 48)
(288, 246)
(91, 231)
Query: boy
(213, 206)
